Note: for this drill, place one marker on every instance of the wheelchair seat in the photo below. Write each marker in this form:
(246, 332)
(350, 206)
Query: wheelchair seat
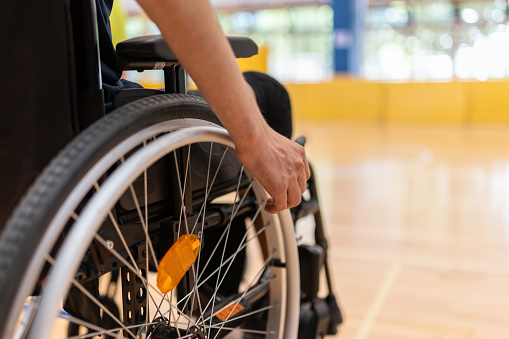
(152, 52)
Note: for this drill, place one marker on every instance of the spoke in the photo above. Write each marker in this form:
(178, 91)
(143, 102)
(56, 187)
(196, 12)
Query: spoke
(243, 330)
(189, 320)
(177, 318)
(203, 209)
(194, 292)
(122, 239)
(184, 337)
(263, 309)
(101, 306)
(182, 207)
(230, 258)
(28, 316)
(241, 246)
(133, 269)
(140, 215)
(148, 242)
(159, 306)
(117, 228)
(182, 192)
(144, 225)
(255, 278)
(147, 239)
(93, 299)
(99, 331)
(229, 225)
(195, 289)
(207, 191)
(120, 258)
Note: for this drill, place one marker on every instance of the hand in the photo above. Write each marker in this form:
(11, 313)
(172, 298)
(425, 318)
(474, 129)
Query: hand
(281, 167)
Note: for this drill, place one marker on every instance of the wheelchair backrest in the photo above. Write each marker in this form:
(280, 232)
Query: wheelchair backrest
(40, 100)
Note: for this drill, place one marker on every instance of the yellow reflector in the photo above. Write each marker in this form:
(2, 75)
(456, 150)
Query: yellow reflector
(229, 311)
(177, 261)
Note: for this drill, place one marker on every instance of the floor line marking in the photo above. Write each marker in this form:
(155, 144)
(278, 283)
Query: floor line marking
(376, 306)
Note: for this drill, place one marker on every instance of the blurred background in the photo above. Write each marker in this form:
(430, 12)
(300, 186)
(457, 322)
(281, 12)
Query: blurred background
(405, 105)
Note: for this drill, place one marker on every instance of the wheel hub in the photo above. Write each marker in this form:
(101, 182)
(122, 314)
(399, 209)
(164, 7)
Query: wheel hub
(197, 333)
(162, 330)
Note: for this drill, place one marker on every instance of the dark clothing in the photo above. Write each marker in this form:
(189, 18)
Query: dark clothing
(273, 101)
(110, 72)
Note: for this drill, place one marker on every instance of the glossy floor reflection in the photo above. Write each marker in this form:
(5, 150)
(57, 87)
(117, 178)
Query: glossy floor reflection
(418, 220)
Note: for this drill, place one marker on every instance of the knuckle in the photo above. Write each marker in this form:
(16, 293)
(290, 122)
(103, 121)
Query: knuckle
(281, 206)
(302, 152)
(294, 202)
(279, 189)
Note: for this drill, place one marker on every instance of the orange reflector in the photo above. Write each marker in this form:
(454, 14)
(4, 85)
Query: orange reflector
(229, 311)
(176, 262)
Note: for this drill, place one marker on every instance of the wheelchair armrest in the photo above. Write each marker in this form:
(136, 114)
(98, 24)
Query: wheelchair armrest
(153, 47)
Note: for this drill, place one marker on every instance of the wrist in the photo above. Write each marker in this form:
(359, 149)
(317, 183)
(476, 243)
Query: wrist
(250, 136)
(246, 125)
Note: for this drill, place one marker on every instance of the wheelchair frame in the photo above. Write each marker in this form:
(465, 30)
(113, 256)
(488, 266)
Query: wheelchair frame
(86, 107)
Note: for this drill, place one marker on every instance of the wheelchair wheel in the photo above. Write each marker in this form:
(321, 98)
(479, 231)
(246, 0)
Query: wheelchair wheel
(115, 201)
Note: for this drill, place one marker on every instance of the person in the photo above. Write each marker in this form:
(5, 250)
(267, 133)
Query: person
(194, 34)
(279, 164)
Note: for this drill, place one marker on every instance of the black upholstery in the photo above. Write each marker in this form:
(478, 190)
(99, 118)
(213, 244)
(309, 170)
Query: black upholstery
(153, 47)
(38, 89)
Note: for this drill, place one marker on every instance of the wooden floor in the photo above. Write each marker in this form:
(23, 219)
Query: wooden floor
(418, 221)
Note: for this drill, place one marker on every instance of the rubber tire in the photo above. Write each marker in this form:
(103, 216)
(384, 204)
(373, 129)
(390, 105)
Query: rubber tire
(28, 225)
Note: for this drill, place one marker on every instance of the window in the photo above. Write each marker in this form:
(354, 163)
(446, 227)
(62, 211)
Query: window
(436, 40)
(299, 39)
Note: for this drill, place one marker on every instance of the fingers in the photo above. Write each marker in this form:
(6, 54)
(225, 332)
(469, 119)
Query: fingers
(307, 170)
(304, 172)
(271, 207)
(284, 175)
(291, 199)
(294, 195)
(302, 181)
(275, 206)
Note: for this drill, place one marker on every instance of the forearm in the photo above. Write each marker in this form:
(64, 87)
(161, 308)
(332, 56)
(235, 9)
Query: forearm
(192, 31)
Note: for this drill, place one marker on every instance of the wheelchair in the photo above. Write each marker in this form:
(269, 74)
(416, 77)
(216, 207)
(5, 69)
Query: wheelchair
(109, 208)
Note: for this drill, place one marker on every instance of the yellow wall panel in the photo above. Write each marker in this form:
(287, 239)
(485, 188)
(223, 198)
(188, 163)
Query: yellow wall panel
(444, 102)
(489, 101)
(255, 63)
(345, 98)
(341, 98)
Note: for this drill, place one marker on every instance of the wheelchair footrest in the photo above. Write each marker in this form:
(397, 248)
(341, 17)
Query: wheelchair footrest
(336, 318)
(314, 319)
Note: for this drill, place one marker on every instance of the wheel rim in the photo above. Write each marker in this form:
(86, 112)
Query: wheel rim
(89, 221)
(54, 229)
